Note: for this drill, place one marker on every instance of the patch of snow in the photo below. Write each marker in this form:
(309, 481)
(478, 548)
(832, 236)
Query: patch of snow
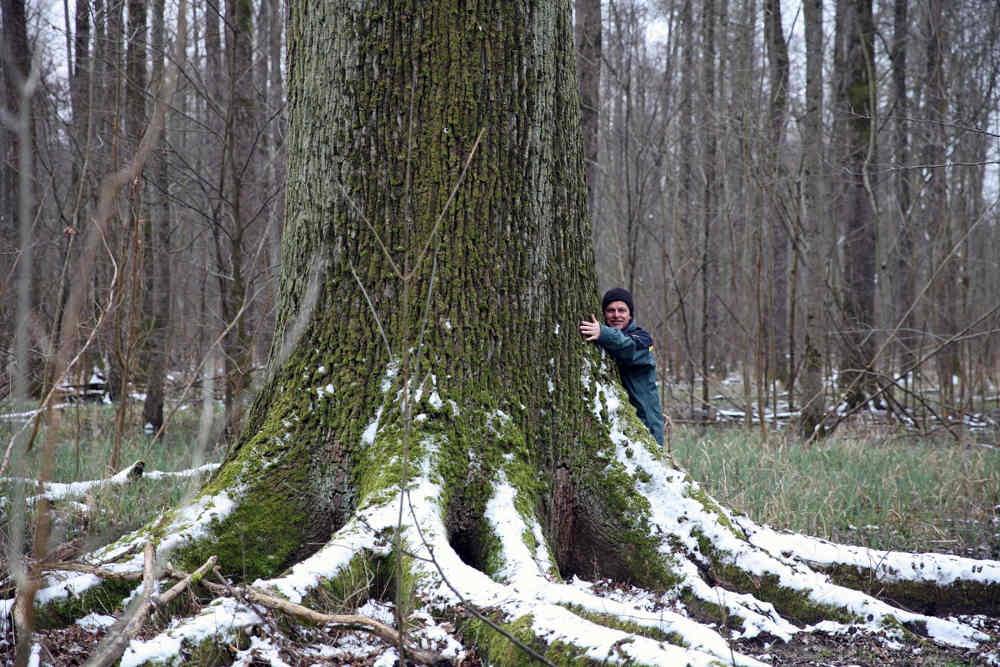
(388, 659)
(390, 374)
(261, 650)
(435, 400)
(93, 622)
(368, 435)
(217, 619)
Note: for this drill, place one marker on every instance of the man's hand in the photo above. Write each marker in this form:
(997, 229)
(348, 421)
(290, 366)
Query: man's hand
(590, 330)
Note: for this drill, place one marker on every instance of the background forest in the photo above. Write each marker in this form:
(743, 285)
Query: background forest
(801, 196)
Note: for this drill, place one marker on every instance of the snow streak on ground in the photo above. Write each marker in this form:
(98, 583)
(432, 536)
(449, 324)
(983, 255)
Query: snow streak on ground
(59, 491)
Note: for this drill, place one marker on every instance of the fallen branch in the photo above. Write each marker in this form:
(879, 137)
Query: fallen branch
(363, 623)
(186, 581)
(110, 651)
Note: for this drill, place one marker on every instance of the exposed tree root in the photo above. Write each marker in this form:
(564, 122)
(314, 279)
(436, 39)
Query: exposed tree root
(736, 581)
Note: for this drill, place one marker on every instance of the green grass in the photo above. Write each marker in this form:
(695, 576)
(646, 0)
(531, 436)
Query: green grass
(876, 488)
(880, 489)
(81, 438)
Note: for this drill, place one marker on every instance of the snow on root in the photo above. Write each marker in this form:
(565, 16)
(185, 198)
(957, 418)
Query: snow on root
(887, 566)
(682, 509)
(524, 591)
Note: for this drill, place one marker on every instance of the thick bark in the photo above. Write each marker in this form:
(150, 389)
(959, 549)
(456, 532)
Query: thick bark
(588, 67)
(495, 303)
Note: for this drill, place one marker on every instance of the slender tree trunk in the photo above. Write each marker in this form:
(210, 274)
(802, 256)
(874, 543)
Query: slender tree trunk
(113, 81)
(232, 253)
(684, 239)
(708, 203)
(159, 288)
(17, 217)
(814, 218)
(856, 98)
(937, 209)
(775, 175)
(905, 277)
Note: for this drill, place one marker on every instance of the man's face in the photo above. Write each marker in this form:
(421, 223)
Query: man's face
(616, 315)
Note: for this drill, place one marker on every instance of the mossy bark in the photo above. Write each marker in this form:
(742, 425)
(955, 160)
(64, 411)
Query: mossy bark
(386, 102)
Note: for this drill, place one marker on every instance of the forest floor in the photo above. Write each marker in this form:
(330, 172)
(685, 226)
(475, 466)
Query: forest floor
(72, 645)
(280, 643)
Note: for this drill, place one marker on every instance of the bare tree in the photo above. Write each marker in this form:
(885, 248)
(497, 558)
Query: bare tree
(158, 259)
(709, 198)
(813, 218)
(904, 276)
(780, 334)
(855, 103)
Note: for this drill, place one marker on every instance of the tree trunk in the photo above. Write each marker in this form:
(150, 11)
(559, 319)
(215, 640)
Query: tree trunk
(856, 98)
(158, 298)
(112, 47)
(429, 403)
(234, 237)
(814, 220)
(684, 240)
(937, 209)
(780, 349)
(905, 278)
(708, 145)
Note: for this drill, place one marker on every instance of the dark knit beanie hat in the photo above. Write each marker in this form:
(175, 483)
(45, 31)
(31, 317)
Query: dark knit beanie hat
(618, 294)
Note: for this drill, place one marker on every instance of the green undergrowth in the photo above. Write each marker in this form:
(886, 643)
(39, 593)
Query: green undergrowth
(81, 438)
(104, 599)
(882, 489)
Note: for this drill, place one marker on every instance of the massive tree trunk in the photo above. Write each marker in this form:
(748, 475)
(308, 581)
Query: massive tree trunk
(429, 404)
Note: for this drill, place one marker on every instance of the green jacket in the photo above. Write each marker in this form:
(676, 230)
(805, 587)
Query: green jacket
(632, 350)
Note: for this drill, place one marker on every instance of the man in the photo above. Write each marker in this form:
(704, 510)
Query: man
(632, 349)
